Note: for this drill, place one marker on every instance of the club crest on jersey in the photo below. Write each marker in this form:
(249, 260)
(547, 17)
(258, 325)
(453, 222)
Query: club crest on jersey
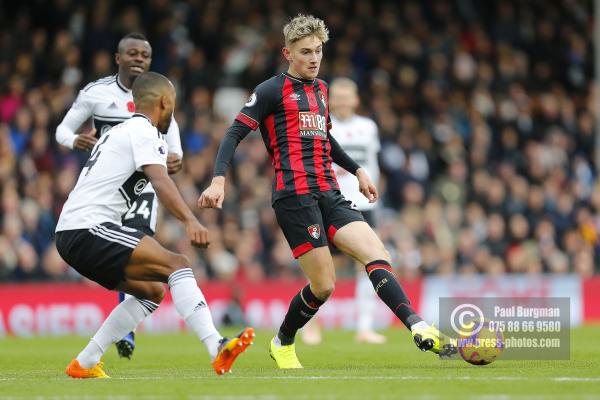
(314, 231)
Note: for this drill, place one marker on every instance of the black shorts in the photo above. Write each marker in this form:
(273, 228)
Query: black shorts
(100, 253)
(311, 220)
(369, 216)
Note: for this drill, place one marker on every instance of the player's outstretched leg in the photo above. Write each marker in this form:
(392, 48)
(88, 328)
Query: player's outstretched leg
(426, 337)
(123, 318)
(360, 241)
(126, 345)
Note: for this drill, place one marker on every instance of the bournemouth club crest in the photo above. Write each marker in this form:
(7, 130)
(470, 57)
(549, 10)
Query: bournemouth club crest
(314, 231)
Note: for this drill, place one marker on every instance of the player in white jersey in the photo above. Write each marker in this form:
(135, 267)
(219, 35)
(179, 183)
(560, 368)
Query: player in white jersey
(108, 101)
(359, 138)
(91, 238)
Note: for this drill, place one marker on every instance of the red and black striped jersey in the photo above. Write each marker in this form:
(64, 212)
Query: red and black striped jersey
(293, 117)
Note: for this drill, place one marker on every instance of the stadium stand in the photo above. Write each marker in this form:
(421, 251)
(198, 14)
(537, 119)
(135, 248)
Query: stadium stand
(485, 112)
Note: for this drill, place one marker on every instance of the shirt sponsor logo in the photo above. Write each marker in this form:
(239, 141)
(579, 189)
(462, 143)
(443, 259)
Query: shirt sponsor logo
(314, 231)
(312, 124)
(139, 186)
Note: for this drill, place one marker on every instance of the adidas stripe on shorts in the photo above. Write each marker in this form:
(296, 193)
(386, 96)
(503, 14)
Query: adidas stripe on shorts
(99, 253)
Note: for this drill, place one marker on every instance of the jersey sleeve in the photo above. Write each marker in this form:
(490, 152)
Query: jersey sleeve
(173, 138)
(80, 111)
(148, 148)
(258, 107)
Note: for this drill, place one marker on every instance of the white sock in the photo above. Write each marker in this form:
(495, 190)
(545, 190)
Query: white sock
(419, 325)
(191, 305)
(122, 320)
(277, 341)
(365, 302)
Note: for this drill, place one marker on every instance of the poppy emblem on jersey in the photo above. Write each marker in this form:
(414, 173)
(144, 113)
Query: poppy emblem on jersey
(252, 100)
(314, 231)
(130, 106)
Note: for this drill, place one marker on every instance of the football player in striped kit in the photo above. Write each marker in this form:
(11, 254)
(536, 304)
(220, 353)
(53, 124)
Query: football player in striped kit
(291, 109)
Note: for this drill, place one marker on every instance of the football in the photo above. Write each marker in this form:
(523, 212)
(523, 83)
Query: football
(483, 346)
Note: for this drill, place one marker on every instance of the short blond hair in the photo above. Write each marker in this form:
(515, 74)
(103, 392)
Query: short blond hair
(302, 26)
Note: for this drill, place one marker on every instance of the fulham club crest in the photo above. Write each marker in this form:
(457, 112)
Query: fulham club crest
(314, 231)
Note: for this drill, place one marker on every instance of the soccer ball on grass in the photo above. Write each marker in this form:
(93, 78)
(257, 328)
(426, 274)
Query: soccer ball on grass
(482, 345)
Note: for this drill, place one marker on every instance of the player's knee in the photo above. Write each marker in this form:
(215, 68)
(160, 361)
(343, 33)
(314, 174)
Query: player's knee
(323, 291)
(385, 254)
(156, 293)
(178, 261)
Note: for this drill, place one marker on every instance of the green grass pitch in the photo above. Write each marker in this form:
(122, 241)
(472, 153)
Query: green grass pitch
(177, 366)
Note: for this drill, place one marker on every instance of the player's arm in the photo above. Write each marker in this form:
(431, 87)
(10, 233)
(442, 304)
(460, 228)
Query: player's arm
(341, 158)
(169, 196)
(213, 196)
(80, 111)
(175, 158)
(258, 106)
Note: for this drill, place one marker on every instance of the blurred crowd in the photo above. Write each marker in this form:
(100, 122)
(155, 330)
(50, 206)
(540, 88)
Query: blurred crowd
(485, 111)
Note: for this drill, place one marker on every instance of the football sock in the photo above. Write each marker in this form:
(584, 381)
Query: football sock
(389, 290)
(365, 303)
(191, 305)
(122, 320)
(420, 325)
(303, 307)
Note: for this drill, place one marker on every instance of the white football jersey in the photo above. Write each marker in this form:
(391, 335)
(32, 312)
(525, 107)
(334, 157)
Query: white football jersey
(113, 177)
(108, 103)
(359, 138)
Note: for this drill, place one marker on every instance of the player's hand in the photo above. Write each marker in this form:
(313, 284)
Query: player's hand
(85, 141)
(366, 185)
(197, 233)
(174, 163)
(213, 196)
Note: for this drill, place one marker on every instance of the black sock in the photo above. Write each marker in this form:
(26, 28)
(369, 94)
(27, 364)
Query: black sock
(303, 307)
(389, 290)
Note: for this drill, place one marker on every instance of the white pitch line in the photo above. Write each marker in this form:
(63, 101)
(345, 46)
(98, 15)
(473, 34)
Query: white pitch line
(346, 378)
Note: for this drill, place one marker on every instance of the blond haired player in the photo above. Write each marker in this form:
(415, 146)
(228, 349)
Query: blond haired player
(292, 112)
